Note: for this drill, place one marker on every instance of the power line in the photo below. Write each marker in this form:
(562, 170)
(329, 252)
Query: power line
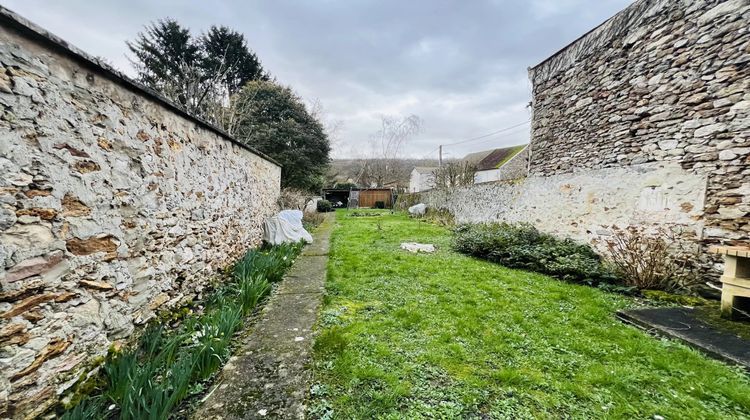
(426, 155)
(509, 134)
(488, 134)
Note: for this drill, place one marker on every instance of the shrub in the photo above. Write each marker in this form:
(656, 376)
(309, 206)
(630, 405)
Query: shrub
(655, 260)
(324, 206)
(523, 246)
(380, 204)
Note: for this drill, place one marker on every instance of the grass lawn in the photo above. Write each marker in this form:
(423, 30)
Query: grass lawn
(447, 336)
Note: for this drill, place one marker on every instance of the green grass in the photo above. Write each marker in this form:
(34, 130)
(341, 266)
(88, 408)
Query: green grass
(444, 335)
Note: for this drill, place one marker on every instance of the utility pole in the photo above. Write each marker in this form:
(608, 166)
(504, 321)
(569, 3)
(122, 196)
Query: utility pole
(440, 156)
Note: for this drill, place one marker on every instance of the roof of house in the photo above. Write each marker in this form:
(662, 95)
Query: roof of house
(425, 169)
(476, 157)
(498, 157)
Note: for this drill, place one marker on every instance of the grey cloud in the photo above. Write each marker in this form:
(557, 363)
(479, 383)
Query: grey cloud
(460, 65)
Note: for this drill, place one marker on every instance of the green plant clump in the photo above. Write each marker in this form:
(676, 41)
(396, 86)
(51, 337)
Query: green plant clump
(523, 246)
(324, 206)
(148, 379)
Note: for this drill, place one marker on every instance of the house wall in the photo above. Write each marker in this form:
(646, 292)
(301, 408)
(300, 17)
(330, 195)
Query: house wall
(421, 182)
(516, 167)
(663, 81)
(414, 181)
(113, 205)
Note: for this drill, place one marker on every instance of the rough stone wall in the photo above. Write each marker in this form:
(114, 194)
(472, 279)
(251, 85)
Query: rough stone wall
(585, 206)
(516, 167)
(662, 81)
(113, 205)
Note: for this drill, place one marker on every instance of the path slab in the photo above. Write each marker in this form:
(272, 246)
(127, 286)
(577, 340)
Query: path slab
(268, 376)
(684, 324)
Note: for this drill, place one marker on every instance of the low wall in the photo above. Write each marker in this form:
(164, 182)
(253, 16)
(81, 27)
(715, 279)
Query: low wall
(114, 204)
(585, 206)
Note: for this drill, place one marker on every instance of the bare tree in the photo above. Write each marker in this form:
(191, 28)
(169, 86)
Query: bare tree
(455, 174)
(387, 146)
(331, 126)
(233, 117)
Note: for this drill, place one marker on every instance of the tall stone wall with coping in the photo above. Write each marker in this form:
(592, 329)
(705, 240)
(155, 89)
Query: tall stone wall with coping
(114, 204)
(662, 81)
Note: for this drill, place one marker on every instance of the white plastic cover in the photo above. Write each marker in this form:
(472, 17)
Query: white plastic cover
(418, 209)
(285, 227)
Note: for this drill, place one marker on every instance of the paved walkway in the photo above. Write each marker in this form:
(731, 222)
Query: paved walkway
(267, 378)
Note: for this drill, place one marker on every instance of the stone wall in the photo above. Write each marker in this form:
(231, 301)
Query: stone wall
(585, 206)
(643, 121)
(113, 204)
(662, 81)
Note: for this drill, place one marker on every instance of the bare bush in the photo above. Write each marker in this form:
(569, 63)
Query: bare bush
(455, 174)
(293, 199)
(406, 200)
(311, 220)
(655, 259)
(442, 217)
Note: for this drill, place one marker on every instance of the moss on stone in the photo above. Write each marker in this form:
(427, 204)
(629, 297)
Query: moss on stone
(88, 381)
(711, 315)
(666, 297)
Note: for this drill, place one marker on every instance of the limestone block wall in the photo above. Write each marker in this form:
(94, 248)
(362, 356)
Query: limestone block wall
(114, 204)
(662, 81)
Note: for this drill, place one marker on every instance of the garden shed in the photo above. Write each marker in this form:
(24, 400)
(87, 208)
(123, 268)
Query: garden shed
(357, 198)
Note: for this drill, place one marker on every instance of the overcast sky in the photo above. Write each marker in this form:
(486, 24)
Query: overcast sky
(460, 65)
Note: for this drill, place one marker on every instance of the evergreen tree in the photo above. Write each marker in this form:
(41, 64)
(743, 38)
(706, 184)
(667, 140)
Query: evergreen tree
(164, 55)
(200, 74)
(226, 55)
(274, 120)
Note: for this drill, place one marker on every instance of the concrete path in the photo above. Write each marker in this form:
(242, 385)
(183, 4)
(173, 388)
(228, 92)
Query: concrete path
(268, 376)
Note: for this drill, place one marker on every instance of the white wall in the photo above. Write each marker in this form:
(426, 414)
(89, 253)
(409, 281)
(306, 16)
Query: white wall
(420, 182)
(585, 206)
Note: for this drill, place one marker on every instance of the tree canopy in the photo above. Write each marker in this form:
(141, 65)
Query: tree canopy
(198, 73)
(274, 120)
